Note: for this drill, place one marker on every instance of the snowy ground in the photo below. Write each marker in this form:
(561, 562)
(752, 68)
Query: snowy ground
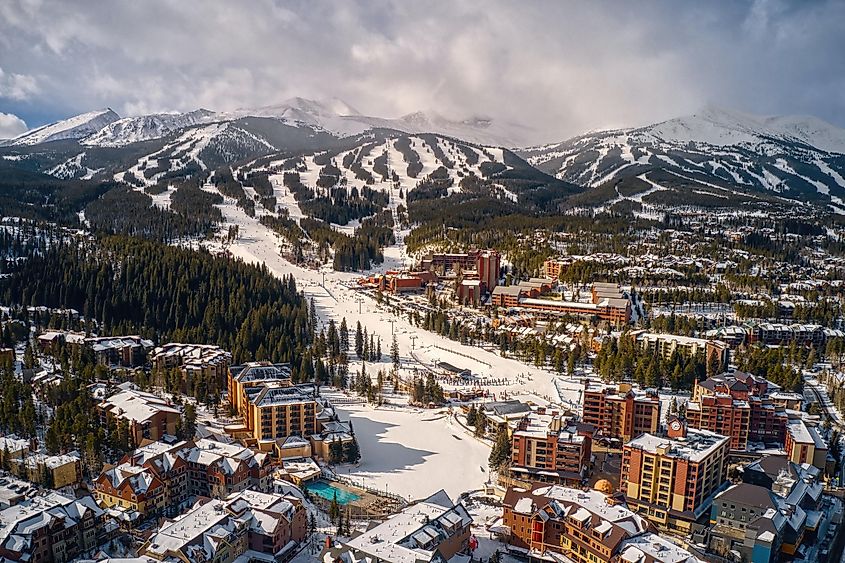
(415, 452)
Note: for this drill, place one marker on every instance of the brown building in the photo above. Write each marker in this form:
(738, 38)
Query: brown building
(488, 264)
(583, 526)
(723, 415)
(484, 265)
(194, 361)
(552, 268)
(245, 380)
(265, 523)
(620, 413)
(548, 448)
(432, 530)
(671, 479)
(51, 528)
(157, 478)
(738, 405)
(149, 417)
(506, 296)
(804, 444)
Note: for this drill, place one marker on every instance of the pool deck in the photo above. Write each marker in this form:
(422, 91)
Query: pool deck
(368, 505)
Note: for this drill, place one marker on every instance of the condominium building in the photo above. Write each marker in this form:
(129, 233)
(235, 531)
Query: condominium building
(740, 405)
(804, 444)
(193, 360)
(273, 409)
(759, 524)
(157, 478)
(56, 471)
(433, 530)
(554, 523)
(665, 345)
(149, 416)
(552, 268)
(549, 448)
(51, 528)
(248, 526)
(620, 412)
(276, 412)
(251, 377)
(671, 479)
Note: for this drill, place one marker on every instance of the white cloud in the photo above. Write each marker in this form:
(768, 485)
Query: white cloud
(556, 67)
(11, 125)
(17, 86)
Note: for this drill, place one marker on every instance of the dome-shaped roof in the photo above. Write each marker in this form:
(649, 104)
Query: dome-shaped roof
(604, 486)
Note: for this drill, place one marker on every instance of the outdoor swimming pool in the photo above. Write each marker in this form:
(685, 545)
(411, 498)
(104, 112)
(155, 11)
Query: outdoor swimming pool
(328, 492)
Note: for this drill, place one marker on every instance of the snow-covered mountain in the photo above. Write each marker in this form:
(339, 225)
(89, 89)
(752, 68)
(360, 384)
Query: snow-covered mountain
(795, 157)
(77, 127)
(144, 128)
(339, 118)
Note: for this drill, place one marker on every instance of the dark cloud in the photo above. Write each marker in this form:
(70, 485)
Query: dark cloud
(560, 68)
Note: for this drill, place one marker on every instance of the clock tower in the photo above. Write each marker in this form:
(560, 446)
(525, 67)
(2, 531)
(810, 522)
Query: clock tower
(677, 427)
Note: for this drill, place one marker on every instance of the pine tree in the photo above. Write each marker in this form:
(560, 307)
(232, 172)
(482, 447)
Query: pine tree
(334, 509)
(359, 341)
(480, 425)
(472, 415)
(352, 452)
(394, 354)
(344, 335)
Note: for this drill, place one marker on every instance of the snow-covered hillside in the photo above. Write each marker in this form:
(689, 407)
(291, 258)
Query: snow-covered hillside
(77, 127)
(796, 157)
(144, 128)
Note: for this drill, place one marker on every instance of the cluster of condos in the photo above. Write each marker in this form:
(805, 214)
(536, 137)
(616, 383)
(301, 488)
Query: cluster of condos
(292, 422)
(673, 476)
(244, 525)
(477, 274)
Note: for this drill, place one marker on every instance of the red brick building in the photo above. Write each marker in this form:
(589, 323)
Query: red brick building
(739, 405)
(582, 526)
(548, 448)
(620, 413)
(671, 479)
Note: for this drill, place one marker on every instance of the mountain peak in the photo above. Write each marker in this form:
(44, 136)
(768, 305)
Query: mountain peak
(76, 127)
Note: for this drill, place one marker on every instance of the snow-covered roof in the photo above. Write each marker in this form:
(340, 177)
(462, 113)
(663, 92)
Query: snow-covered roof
(137, 405)
(414, 534)
(696, 447)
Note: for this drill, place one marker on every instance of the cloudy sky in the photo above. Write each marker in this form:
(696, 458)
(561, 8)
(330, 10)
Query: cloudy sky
(558, 67)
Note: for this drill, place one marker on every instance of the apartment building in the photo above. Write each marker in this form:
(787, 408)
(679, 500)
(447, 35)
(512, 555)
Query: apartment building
(253, 376)
(759, 524)
(804, 444)
(275, 412)
(620, 412)
(552, 268)
(51, 528)
(149, 416)
(157, 478)
(193, 360)
(12, 447)
(483, 264)
(739, 405)
(671, 479)
(550, 448)
(112, 351)
(56, 470)
(665, 345)
(554, 523)
(248, 525)
(433, 530)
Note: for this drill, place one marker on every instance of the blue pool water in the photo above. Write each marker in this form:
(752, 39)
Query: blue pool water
(326, 491)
